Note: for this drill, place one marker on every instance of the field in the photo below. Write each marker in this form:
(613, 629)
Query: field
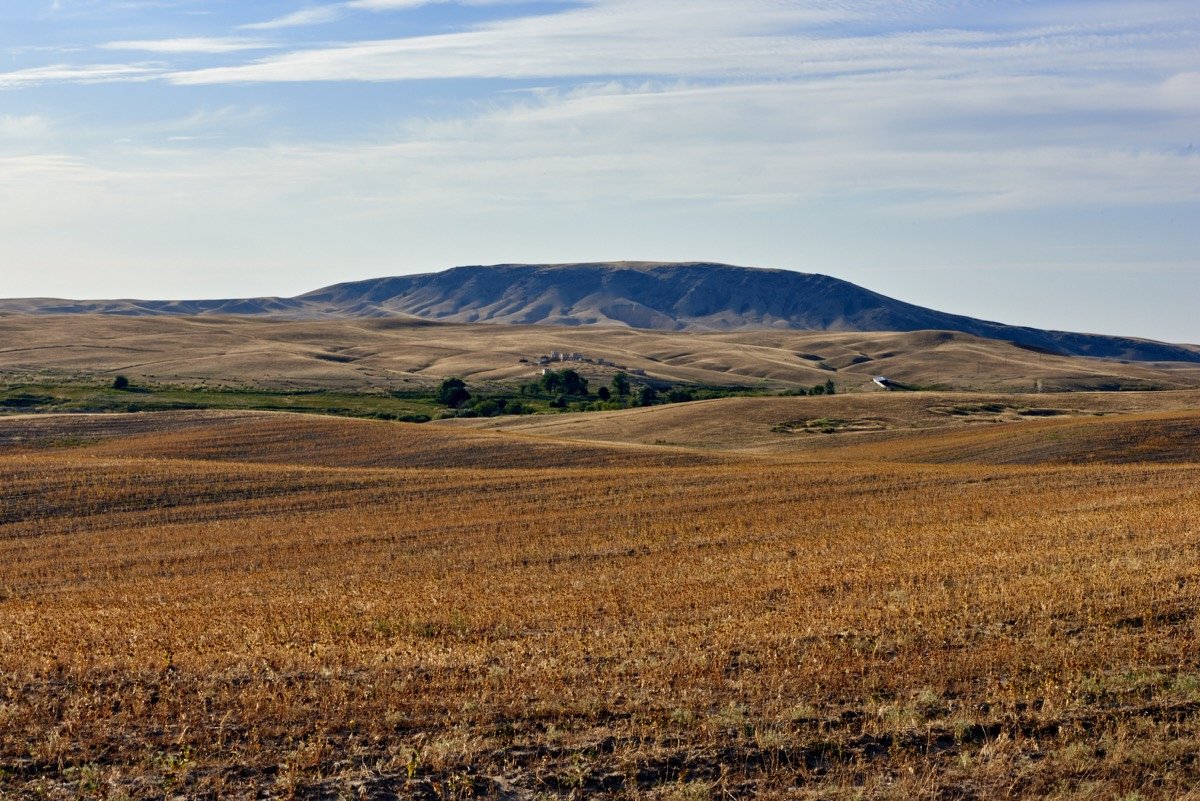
(877, 596)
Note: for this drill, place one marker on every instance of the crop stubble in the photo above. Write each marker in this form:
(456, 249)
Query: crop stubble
(618, 625)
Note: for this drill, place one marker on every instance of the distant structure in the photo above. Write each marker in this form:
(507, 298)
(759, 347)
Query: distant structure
(885, 382)
(556, 356)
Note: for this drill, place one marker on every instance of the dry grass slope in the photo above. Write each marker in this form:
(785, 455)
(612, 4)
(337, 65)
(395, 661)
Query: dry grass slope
(395, 354)
(913, 426)
(291, 622)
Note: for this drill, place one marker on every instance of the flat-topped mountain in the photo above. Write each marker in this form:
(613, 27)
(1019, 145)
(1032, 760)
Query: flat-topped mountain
(690, 296)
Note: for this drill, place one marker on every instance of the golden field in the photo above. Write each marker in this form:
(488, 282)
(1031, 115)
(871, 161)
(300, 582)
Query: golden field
(957, 602)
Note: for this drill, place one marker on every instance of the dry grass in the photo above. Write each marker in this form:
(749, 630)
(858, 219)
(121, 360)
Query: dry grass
(399, 354)
(195, 628)
(785, 425)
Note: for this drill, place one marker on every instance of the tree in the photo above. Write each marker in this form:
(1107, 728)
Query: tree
(120, 382)
(620, 384)
(829, 387)
(647, 395)
(678, 395)
(574, 383)
(453, 393)
(568, 382)
(603, 393)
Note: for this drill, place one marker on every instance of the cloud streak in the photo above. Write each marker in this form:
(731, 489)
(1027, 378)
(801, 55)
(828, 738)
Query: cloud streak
(716, 40)
(190, 45)
(70, 73)
(319, 15)
(307, 16)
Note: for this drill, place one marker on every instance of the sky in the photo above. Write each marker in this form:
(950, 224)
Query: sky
(1035, 162)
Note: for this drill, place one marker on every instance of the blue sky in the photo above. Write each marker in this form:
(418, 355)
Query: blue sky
(1029, 162)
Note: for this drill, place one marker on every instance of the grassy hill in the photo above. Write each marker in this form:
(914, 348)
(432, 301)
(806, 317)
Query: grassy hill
(394, 355)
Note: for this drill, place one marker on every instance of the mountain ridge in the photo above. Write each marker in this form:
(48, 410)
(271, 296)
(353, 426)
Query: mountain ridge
(669, 296)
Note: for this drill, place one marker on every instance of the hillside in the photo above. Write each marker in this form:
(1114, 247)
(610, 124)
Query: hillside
(934, 427)
(646, 295)
(395, 354)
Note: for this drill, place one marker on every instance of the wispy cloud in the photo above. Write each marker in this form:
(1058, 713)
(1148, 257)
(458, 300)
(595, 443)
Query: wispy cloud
(388, 5)
(720, 40)
(23, 126)
(190, 45)
(307, 16)
(90, 73)
(318, 15)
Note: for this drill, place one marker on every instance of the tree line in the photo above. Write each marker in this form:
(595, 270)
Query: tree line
(566, 389)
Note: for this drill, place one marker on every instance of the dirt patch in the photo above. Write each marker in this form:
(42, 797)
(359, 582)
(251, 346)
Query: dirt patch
(829, 425)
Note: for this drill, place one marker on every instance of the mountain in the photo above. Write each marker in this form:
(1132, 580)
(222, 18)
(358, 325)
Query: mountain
(652, 295)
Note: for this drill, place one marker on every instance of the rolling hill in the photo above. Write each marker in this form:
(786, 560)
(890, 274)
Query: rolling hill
(928, 427)
(693, 297)
(395, 354)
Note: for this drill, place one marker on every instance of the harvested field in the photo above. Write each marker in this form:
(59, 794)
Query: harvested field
(220, 605)
(280, 438)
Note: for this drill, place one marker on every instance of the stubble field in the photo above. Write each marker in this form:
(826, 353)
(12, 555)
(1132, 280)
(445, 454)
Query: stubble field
(250, 605)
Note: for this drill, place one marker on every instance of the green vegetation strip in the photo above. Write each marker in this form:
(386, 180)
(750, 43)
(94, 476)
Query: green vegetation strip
(85, 398)
(556, 391)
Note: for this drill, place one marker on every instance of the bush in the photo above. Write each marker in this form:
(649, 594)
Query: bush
(120, 382)
(487, 408)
